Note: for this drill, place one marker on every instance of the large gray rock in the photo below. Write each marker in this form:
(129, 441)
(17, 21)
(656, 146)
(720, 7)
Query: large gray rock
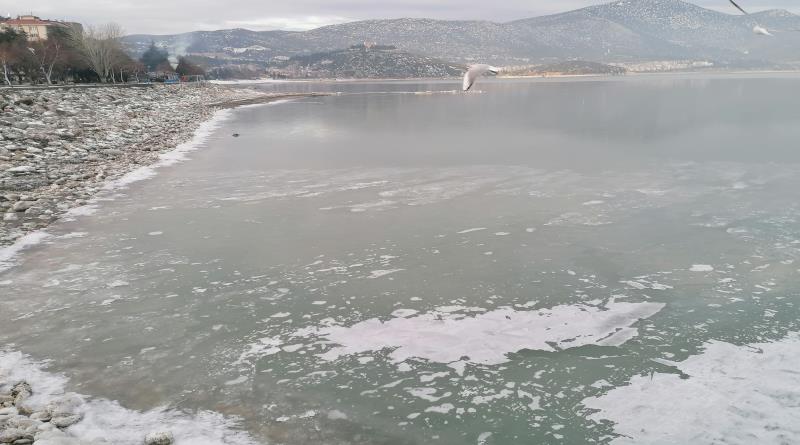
(9, 435)
(22, 390)
(21, 170)
(23, 423)
(65, 421)
(65, 410)
(55, 437)
(159, 438)
(42, 416)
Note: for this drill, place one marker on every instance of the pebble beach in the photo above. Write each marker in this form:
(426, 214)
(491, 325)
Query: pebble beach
(59, 146)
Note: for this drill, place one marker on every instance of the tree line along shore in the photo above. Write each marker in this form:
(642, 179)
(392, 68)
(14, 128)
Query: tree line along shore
(72, 54)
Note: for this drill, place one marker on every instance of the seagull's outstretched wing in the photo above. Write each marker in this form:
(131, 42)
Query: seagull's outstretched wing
(738, 7)
(476, 71)
(469, 80)
(758, 29)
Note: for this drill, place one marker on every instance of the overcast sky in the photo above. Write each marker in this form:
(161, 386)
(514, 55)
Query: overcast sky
(174, 16)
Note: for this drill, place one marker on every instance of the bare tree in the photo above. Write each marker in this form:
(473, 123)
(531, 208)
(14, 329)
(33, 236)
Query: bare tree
(10, 51)
(100, 47)
(47, 54)
(134, 69)
(6, 57)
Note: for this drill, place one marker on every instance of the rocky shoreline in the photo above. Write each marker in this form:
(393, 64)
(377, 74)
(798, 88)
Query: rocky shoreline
(58, 149)
(24, 420)
(24, 423)
(59, 146)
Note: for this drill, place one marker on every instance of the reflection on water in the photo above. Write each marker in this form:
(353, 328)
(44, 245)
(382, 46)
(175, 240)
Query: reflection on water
(444, 268)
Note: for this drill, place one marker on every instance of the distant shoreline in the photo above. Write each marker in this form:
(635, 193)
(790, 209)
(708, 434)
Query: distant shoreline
(538, 76)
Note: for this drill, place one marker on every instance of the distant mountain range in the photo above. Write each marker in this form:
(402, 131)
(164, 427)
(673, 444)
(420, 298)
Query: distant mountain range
(625, 31)
(361, 62)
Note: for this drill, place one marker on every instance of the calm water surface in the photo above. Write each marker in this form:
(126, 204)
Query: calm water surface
(381, 267)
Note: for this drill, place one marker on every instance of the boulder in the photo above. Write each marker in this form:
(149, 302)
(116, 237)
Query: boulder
(55, 437)
(65, 410)
(20, 170)
(159, 438)
(21, 390)
(21, 206)
(65, 421)
(42, 416)
(10, 435)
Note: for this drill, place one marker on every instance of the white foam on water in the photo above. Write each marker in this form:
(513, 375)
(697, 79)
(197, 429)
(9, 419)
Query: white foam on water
(9, 253)
(444, 408)
(701, 268)
(254, 81)
(84, 210)
(178, 154)
(488, 337)
(108, 420)
(262, 347)
(475, 229)
(72, 235)
(403, 313)
(734, 395)
(383, 273)
(335, 414)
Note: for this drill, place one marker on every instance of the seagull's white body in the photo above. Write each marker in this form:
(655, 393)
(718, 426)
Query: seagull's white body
(757, 29)
(761, 31)
(476, 71)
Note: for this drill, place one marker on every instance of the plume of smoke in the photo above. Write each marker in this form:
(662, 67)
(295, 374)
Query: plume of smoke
(179, 48)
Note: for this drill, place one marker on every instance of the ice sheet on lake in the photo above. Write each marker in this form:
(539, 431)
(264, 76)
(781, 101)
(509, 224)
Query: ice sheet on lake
(487, 338)
(734, 394)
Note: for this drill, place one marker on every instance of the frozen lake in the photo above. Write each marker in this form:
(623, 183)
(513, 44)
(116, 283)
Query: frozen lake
(552, 261)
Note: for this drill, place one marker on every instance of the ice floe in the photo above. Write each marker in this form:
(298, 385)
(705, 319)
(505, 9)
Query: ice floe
(733, 394)
(487, 338)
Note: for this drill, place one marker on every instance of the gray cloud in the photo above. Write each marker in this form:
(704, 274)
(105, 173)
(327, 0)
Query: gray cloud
(173, 16)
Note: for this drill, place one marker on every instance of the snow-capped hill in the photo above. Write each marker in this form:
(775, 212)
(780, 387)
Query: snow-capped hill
(620, 31)
(775, 13)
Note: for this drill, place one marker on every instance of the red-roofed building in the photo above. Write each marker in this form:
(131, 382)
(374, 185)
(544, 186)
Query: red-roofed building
(34, 27)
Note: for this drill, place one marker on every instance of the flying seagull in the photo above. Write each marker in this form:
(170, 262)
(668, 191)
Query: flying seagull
(476, 71)
(757, 29)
